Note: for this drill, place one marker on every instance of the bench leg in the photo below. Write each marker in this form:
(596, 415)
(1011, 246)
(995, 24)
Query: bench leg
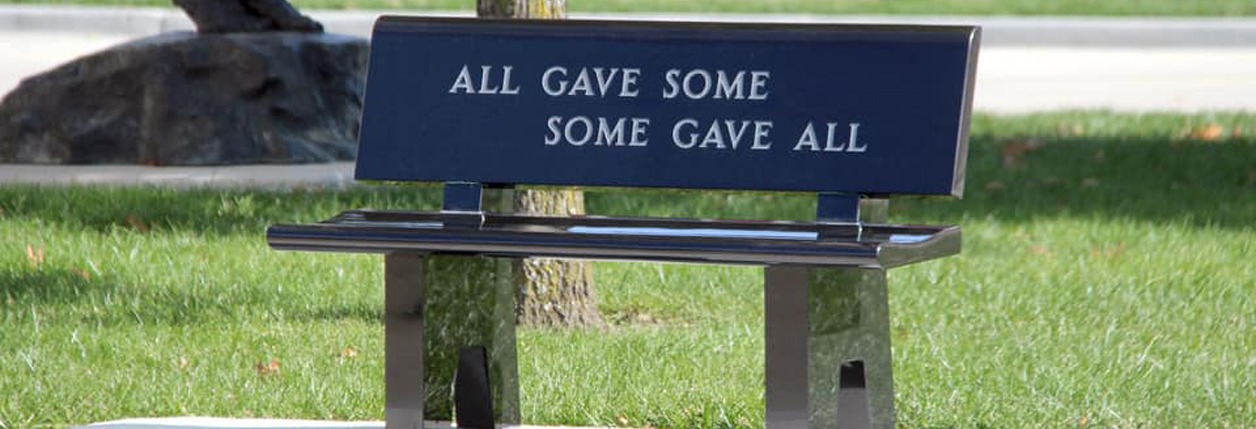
(828, 348)
(403, 341)
(437, 305)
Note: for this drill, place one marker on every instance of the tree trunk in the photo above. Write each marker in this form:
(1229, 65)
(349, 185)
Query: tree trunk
(551, 292)
(534, 9)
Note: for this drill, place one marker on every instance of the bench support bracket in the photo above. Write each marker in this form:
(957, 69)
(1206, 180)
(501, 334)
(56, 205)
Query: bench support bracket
(436, 305)
(828, 348)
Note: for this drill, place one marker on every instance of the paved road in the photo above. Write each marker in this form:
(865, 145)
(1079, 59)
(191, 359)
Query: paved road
(1017, 80)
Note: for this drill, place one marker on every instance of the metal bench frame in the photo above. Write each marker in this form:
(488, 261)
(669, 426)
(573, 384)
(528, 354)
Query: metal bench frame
(827, 318)
(826, 309)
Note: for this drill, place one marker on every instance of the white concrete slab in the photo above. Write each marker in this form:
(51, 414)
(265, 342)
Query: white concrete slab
(1020, 80)
(25, 53)
(334, 175)
(224, 423)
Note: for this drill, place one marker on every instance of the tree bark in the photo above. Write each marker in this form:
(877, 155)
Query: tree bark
(525, 9)
(550, 292)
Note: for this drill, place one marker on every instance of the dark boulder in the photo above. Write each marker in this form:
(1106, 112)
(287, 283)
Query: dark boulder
(188, 99)
(239, 16)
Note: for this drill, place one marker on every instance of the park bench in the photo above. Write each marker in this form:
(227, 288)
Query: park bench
(853, 114)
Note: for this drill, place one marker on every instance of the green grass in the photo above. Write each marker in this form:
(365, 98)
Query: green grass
(1106, 281)
(928, 7)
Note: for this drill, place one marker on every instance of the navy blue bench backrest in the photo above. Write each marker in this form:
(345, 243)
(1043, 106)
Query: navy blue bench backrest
(825, 108)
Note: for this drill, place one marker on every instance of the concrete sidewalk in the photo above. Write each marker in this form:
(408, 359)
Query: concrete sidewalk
(331, 175)
(221, 423)
(1026, 65)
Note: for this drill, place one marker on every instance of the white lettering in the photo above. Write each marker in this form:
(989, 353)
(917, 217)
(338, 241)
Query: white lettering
(554, 136)
(735, 133)
(627, 87)
(463, 82)
(828, 141)
(761, 130)
(673, 87)
(581, 130)
(713, 137)
(721, 134)
(759, 85)
(851, 145)
(591, 82)
(582, 84)
(604, 80)
(506, 89)
(697, 84)
(485, 88)
(608, 135)
(693, 137)
(588, 131)
(562, 82)
(854, 140)
(638, 132)
(725, 88)
(706, 84)
(808, 139)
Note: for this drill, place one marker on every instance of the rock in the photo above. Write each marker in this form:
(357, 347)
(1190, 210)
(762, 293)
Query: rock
(188, 99)
(241, 16)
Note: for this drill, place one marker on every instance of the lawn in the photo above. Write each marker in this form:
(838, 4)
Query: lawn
(919, 7)
(1106, 281)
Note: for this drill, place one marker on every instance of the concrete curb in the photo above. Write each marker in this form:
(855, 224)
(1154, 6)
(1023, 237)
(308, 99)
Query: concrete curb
(225, 423)
(999, 30)
(331, 175)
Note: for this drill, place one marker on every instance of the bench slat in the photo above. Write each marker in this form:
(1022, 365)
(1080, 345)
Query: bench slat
(606, 238)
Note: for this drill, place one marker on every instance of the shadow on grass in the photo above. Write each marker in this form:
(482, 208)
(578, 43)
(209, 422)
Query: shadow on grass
(1152, 180)
(1144, 179)
(52, 286)
(110, 301)
(205, 211)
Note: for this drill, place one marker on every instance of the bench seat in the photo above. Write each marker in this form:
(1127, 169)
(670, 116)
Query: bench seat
(613, 238)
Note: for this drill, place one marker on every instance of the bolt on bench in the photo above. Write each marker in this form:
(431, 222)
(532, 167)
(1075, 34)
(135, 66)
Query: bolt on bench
(852, 113)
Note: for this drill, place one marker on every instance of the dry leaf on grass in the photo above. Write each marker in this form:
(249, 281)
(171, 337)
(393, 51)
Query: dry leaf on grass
(1014, 152)
(1070, 130)
(346, 354)
(1208, 133)
(137, 224)
(35, 255)
(1108, 252)
(268, 369)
